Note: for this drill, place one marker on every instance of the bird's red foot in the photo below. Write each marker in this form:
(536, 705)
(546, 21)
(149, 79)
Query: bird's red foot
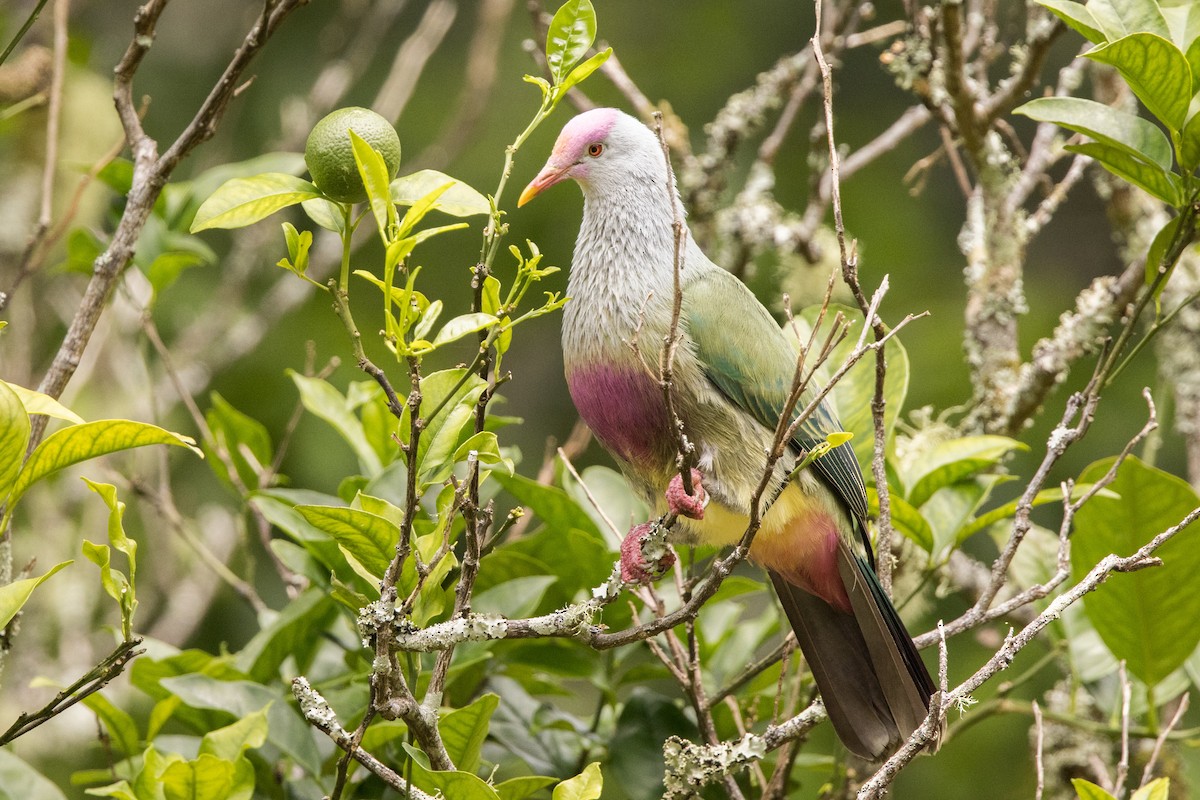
(687, 505)
(634, 566)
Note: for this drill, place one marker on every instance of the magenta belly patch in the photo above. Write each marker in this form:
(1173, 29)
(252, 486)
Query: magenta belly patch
(624, 408)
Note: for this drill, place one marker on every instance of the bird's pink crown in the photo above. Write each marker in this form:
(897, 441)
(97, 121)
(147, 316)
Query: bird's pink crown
(581, 131)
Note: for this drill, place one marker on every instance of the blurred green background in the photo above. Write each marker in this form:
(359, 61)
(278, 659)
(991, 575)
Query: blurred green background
(689, 54)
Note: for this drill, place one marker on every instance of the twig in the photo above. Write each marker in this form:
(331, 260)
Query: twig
(756, 668)
(94, 680)
(870, 320)
(1039, 751)
(25, 26)
(151, 172)
(318, 713)
(54, 112)
(962, 99)
(1118, 784)
(1148, 772)
(290, 578)
(165, 504)
(666, 359)
(877, 786)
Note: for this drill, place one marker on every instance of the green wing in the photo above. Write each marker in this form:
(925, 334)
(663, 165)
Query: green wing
(752, 362)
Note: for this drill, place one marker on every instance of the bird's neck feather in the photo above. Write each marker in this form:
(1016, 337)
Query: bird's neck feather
(622, 273)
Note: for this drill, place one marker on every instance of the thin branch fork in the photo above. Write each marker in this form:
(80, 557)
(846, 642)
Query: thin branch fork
(870, 319)
(95, 680)
(150, 174)
(318, 713)
(876, 787)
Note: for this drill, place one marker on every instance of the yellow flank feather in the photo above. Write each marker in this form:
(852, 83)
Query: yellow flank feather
(722, 527)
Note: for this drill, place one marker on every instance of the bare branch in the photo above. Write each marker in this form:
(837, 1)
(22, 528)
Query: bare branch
(318, 713)
(877, 786)
(150, 175)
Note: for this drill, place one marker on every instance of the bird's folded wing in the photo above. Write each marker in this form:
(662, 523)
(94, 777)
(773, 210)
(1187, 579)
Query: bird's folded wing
(748, 357)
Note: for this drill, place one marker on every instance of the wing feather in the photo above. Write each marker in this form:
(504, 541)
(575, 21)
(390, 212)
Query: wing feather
(747, 356)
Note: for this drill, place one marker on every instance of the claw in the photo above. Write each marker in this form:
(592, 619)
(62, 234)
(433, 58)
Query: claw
(687, 505)
(634, 566)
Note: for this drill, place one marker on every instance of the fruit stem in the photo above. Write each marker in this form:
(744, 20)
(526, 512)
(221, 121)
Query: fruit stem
(347, 234)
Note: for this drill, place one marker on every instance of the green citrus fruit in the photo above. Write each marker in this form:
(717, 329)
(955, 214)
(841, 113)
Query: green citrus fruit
(330, 157)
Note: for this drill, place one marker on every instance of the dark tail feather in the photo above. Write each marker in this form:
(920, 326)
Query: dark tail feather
(874, 684)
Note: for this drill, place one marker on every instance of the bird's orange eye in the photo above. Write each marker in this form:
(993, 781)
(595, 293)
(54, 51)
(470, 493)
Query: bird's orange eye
(595, 149)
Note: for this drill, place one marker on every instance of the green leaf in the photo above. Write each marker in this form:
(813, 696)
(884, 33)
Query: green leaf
(14, 439)
(166, 268)
(147, 784)
(249, 732)
(454, 784)
(516, 598)
(550, 503)
(955, 460)
(1189, 139)
(369, 538)
(952, 507)
(523, 787)
(1156, 253)
(487, 448)
(459, 200)
(464, 730)
(1077, 17)
(298, 244)
(491, 295)
(1007, 510)
(1138, 137)
(426, 320)
(421, 207)
(38, 403)
(118, 586)
(1152, 178)
(647, 719)
(906, 518)
(295, 632)
(324, 401)
(1183, 18)
(852, 396)
(326, 213)
(1089, 791)
(1192, 53)
(245, 442)
(208, 181)
(89, 440)
(581, 72)
(83, 248)
(205, 778)
(1154, 790)
(1156, 70)
(570, 35)
(16, 594)
(612, 495)
(278, 507)
(587, 785)
(20, 781)
(435, 453)
(1137, 16)
(374, 173)
(462, 325)
(243, 201)
(285, 728)
(1144, 617)
(122, 730)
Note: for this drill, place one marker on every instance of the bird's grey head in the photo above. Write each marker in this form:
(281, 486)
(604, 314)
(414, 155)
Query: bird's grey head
(603, 150)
